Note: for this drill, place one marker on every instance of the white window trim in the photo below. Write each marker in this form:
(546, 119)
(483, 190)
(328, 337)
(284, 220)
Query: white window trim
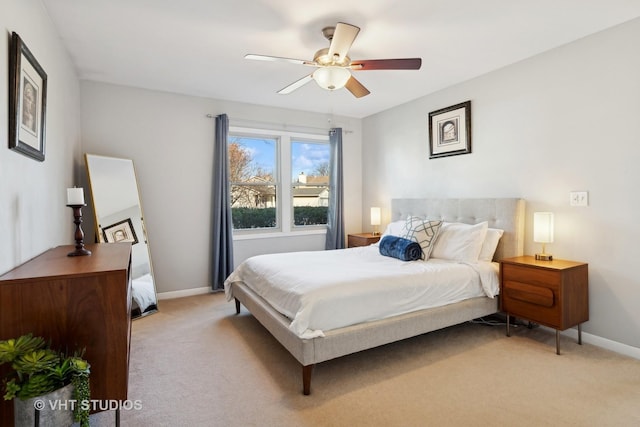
(283, 192)
(243, 235)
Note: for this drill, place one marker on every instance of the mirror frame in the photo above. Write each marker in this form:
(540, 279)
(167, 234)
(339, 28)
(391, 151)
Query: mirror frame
(126, 223)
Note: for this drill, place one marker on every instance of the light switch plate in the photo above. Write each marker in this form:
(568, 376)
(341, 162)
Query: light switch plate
(579, 198)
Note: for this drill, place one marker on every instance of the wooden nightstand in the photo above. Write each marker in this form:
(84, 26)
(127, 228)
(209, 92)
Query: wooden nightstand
(361, 239)
(552, 293)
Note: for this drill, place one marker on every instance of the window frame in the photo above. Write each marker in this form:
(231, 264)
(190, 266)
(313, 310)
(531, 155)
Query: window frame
(292, 183)
(283, 181)
(275, 182)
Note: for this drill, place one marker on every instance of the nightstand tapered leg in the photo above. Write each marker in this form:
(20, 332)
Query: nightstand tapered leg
(580, 333)
(557, 341)
(508, 332)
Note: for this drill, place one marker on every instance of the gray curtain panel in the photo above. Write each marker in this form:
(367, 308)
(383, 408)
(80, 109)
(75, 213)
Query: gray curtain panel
(335, 215)
(222, 227)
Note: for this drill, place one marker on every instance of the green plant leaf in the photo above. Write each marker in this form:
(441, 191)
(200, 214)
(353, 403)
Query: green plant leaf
(36, 361)
(12, 348)
(37, 385)
(38, 370)
(79, 365)
(11, 389)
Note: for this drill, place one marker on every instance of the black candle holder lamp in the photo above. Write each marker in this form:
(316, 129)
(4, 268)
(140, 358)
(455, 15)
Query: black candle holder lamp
(79, 235)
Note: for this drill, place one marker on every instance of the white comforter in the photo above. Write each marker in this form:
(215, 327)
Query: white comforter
(324, 290)
(143, 291)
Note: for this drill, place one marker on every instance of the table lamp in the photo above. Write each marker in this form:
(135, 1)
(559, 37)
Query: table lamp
(543, 232)
(375, 220)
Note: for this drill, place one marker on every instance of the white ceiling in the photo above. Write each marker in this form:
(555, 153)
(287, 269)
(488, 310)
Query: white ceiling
(197, 47)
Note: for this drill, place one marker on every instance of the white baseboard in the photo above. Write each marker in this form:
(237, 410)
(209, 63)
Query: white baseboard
(618, 347)
(184, 293)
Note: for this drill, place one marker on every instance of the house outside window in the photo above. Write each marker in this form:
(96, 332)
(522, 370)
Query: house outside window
(279, 181)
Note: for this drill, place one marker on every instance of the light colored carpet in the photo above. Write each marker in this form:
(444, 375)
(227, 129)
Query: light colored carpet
(196, 363)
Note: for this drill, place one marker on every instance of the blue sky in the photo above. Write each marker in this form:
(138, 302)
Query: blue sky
(305, 156)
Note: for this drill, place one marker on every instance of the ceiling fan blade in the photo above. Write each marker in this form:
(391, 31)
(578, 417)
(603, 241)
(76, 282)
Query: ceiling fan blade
(343, 38)
(295, 85)
(356, 88)
(387, 64)
(278, 58)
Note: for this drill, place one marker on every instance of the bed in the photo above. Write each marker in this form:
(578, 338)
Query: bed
(311, 344)
(143, 293)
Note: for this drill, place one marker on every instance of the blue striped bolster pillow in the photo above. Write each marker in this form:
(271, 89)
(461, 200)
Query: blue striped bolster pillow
(398, 247)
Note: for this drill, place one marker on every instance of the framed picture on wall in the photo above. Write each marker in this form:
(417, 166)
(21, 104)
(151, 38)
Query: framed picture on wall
(120, 232)
(450, 131)
(27, 101)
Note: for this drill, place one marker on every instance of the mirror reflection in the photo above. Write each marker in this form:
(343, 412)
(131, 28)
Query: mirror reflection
(118, 218)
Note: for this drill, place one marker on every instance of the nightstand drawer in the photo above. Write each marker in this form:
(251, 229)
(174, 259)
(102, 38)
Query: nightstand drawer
(523, 274)
(525, 292)
(536, 303)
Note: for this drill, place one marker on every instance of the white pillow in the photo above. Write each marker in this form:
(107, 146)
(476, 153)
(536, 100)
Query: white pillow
(490, 244)
(394, 228)
(423, 231)
(460, 242)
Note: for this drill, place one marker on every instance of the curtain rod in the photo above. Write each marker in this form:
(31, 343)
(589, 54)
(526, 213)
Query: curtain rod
(276, 126)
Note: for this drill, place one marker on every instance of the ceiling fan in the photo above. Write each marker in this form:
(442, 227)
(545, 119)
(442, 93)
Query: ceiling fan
(333, 65)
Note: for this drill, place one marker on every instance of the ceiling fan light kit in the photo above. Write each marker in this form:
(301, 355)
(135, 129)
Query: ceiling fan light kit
(333, 64)
(331, 78)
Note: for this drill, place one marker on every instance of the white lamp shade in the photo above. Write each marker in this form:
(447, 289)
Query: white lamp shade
(543, 227)
(331, 78)
(375, 216)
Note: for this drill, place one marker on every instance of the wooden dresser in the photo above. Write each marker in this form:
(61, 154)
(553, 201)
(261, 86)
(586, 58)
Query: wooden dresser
(76, 302)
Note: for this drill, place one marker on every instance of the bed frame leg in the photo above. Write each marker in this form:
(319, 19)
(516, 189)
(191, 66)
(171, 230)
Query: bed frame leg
(306, 379)
(237, 306)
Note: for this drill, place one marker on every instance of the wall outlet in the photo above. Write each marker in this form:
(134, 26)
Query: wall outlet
(579, 198)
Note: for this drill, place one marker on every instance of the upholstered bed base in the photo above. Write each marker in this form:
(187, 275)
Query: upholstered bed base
(506, 214)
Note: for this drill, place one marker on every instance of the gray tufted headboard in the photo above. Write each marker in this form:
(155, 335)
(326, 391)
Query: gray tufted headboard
(504, 213)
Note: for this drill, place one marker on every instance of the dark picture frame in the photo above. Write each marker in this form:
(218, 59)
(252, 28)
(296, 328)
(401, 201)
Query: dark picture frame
(27, 101)
(121, 231)
(450, 131)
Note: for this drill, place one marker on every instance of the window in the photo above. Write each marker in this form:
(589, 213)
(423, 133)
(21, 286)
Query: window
(310, 182)
(252, 173)
(279, 181)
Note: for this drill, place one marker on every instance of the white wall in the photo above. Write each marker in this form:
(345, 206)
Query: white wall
(33, 212)
(170, 140)
(564, 120)
(561, 121)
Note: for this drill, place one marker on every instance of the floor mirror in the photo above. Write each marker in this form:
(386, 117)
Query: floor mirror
(119, 217)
